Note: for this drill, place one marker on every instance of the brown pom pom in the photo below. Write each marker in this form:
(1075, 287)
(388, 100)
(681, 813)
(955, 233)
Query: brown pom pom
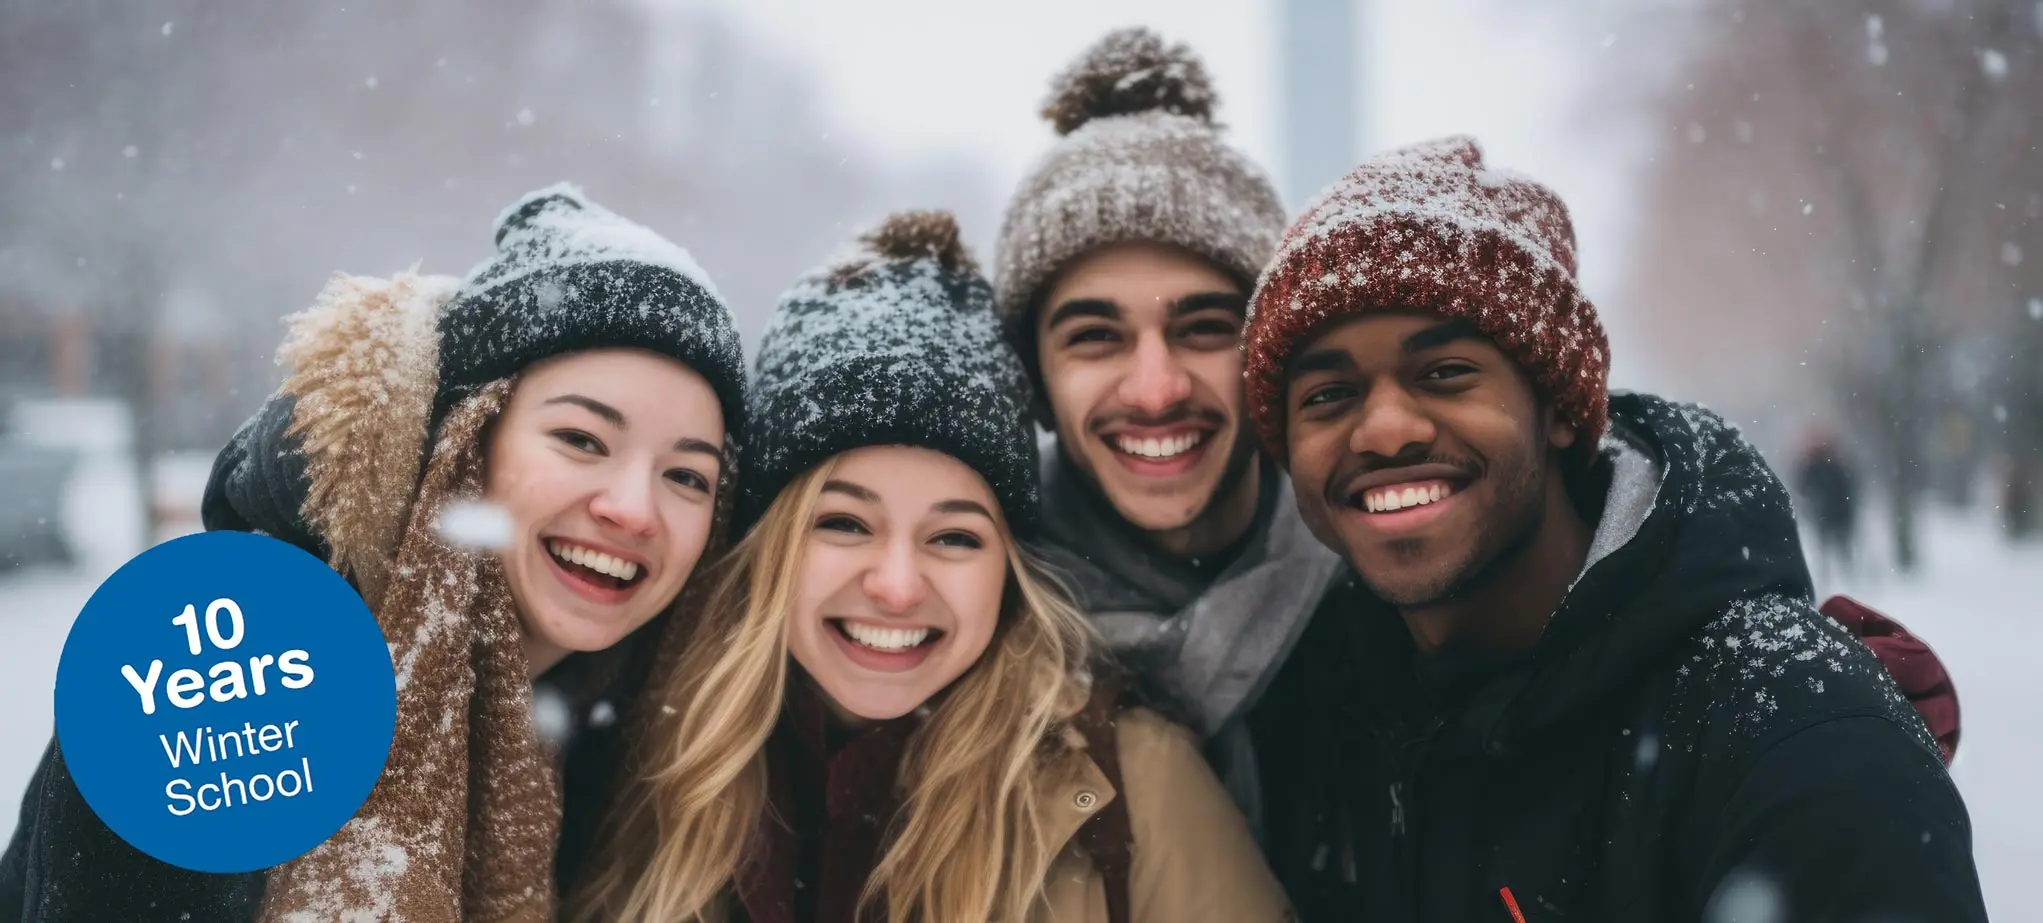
(1128, 71)
(921, 235)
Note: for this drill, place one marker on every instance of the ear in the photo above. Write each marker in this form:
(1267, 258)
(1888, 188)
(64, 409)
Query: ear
(1560, 433)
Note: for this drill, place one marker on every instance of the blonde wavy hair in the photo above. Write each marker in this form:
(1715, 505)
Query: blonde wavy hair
(965, 845)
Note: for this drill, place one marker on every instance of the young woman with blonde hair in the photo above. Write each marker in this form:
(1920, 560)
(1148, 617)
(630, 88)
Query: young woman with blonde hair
(885, 710)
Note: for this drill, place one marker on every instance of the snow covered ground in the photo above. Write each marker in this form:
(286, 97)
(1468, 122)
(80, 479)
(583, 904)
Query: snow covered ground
(1977, 603)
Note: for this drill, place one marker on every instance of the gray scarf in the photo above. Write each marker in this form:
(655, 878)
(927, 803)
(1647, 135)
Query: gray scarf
(1208, 645)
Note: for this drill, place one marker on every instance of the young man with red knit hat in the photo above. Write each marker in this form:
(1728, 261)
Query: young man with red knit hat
(1577, 673)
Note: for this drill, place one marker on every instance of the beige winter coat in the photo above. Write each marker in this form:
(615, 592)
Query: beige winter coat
(1193, 857)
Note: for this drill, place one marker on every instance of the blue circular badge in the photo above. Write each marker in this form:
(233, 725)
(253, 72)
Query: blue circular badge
(225, 702)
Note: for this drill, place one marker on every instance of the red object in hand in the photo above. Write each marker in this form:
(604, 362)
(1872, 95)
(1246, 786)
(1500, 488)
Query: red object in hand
(1912, 664)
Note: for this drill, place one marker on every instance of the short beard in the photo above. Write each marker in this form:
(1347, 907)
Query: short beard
(1232, 477)
(1521, 515)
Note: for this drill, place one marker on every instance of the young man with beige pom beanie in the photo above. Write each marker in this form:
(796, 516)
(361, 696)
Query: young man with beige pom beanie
(1123, 268)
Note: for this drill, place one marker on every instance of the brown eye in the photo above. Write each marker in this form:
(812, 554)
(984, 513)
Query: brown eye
(692, 480)
(838, 522)
(1327, 395)
(959, 540)
(1210, 333)
(580, 441)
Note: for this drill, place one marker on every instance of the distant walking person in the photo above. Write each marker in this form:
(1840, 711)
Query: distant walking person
(1829, 501)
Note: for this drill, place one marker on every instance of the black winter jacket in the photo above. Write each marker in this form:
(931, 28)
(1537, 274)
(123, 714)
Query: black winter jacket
(65, 866)
(1690, 740)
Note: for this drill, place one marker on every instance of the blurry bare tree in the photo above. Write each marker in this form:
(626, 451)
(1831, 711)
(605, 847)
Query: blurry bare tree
(1847, 218)
(177, 175)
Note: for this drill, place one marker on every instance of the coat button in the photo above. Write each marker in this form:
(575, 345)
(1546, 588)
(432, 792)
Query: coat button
(1085, 801)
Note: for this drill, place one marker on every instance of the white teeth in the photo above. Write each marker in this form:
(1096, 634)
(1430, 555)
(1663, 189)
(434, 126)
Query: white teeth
(885, 639)
(594, 560)
(1170, 447)
(1391, 499)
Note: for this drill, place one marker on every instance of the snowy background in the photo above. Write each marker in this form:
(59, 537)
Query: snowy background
(1823, 218)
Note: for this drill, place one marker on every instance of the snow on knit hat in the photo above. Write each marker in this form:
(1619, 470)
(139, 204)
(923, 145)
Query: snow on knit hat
(1430, 228)
(1140, 160)
(894, 343)
(568, 275)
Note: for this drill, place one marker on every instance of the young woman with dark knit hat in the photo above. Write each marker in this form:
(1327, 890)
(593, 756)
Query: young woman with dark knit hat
(885, 711)
(519, 473)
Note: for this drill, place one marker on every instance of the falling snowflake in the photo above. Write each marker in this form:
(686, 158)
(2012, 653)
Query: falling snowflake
(1746, 897)
(551, 715)
(1994, 65)
(2011, 254)
(476, 525)
(1648, 752)
(526, 117)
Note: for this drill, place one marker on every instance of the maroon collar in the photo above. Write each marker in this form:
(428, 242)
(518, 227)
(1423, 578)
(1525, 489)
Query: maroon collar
(814, 852)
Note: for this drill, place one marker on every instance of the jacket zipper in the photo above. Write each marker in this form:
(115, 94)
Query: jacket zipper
(1410, 758)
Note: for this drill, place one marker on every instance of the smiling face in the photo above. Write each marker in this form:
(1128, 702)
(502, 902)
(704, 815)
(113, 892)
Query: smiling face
(606, 462)
(1140, 354)
(1420, 451)
(901, 581)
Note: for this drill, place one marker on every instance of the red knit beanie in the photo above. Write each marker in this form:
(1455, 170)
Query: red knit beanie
(1430, 228)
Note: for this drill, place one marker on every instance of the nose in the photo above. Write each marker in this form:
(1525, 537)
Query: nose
(895, 581)
(1391, 424)
(1158, 381)
(626, 502)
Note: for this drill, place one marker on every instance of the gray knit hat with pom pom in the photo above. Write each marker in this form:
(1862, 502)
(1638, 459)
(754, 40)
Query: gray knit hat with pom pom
(893, 343)
(1140, 160)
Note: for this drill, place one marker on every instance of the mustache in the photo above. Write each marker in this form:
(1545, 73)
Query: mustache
(1336, 490)
(1183, 413)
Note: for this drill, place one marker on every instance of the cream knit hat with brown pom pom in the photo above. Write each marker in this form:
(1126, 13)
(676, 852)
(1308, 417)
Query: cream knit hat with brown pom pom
(1140, 160)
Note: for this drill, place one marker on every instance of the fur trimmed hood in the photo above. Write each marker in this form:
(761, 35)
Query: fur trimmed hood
(364, 368)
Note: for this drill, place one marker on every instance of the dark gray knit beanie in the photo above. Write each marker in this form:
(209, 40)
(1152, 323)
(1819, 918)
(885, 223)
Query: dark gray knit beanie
(894, 343)
(569, 275)
(1140, 160)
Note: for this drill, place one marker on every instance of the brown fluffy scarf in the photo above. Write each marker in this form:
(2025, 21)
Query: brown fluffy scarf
(464, 822)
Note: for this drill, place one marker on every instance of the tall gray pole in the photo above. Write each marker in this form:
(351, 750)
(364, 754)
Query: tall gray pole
(1317, 51)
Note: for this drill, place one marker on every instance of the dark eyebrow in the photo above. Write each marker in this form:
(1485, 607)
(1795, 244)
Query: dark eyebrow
(1084, 307)
(692, 444)
(1206, 301)
(1440, 335)
(1319, 360)
(590, 404)
(850, 490)
(616, 418)
(947, 507)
